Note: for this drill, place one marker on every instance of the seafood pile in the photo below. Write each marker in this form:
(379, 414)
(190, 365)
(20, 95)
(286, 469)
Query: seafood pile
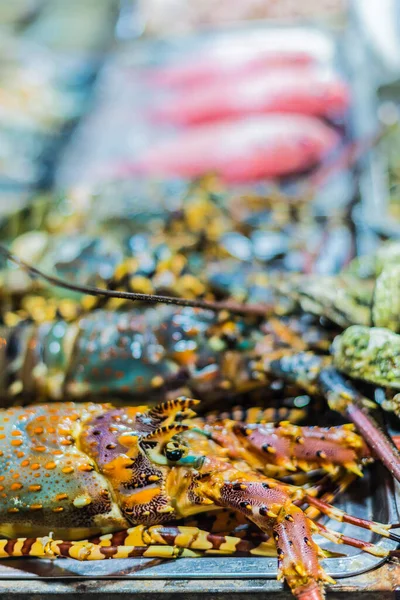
(123, 462)
(194, 240)
(245, 298)
(276, 107)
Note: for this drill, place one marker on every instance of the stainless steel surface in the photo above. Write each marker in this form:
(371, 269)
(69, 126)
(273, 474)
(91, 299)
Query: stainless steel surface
(381, 583)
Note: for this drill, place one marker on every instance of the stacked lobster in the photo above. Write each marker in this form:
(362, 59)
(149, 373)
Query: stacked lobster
(93, 481)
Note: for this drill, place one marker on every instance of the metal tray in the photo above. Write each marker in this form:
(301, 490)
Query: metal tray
(371, 498)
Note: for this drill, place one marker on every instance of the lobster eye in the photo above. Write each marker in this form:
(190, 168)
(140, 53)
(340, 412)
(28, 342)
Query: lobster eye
(174, 454)
(174, 451)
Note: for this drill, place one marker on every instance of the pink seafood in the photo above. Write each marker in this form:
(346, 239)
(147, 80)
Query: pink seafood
(295, 90)
(212, 67)
(263, 147)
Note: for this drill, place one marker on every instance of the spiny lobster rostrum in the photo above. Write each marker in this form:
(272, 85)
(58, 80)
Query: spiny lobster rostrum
(73, 472)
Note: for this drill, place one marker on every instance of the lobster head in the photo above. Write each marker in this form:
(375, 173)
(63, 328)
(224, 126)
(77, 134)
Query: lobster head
(146, 458)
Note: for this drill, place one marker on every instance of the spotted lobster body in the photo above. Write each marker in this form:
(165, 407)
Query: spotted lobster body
(79, 470)
(83, 469)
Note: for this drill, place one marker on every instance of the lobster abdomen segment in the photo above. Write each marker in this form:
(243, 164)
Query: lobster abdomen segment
(127, 353)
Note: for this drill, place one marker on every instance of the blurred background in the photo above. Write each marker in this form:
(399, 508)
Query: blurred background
(110, 109)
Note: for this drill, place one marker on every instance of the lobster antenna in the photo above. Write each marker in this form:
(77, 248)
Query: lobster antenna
(258, 310)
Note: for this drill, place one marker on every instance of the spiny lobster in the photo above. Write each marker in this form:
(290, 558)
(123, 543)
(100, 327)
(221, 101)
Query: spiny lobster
(172, 247)
(196, 349)
(164, 349)
(146, 350)
(113, 477)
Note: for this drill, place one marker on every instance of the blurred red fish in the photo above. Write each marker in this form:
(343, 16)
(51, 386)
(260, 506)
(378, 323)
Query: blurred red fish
(301, 90)
(265, 147)
(214, 67)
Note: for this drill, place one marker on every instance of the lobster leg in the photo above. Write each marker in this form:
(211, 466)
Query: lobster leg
(46, 547)
(339, 538)
(313, 513)
(172, 541)
(295, 573)
(270, 507)
(316, 375)
(180, 536)
(193, 538)
(339, 515)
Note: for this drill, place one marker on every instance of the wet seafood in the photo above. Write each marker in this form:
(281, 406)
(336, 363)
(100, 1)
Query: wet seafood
(127, 472)
(296, 91)
(188, 243)
(243, 151)
(216, 65)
